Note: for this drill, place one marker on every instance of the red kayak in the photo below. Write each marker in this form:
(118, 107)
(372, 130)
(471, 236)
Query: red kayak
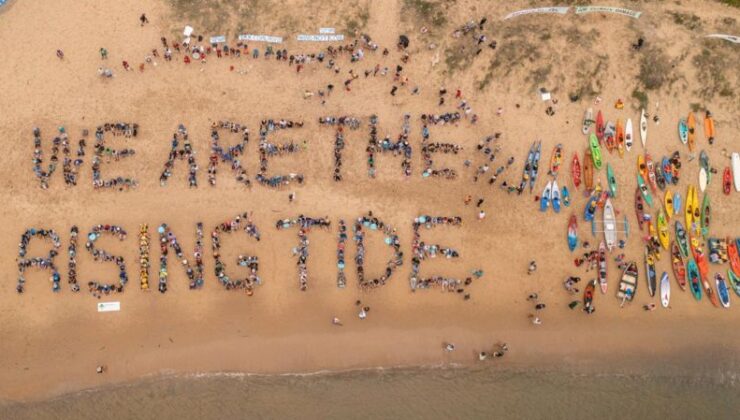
(639, 207)
(575, 170)
(600, 127)
(734, 255)
(727, 181)
(679, 268)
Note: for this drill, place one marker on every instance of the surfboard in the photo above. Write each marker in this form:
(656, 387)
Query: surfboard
(665, 290)
(643, 127)
(628, 135)
(702, 179)
(736, 170)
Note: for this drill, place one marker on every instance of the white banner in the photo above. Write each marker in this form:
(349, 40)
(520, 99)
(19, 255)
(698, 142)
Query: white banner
(320, 38)
(109, 306)
(731, 38)
(261, 38)
(601, 9)
(558, 10)
(327, 31)
(218, 39)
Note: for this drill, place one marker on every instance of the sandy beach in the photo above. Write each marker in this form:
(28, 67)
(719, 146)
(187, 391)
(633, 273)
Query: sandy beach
(52, 342)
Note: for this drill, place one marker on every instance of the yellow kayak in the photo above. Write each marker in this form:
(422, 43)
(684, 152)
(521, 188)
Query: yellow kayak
(668, 202)
(663, 235)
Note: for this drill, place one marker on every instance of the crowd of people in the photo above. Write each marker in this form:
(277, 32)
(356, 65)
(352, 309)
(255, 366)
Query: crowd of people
(391, 239)
(70, 166)
(339, 122)
(428, 148)
(230, 155)
(267, 149)
(40, 262)
(167, 239)
(421, 251)
(102, 151)
(252, 280)
(400, 147)
(99, 288)
(72, 259)
(184, 153)
(144, 263)
(301, 251)
(341, 246)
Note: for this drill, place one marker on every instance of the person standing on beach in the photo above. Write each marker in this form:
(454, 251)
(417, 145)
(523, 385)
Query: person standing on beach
(143, 19)
(103, 53)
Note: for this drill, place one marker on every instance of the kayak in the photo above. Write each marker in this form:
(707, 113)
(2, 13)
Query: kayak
(734, 281)
(689, 207)
(566, 196)
(694, 279)
(610, 137)
(641, 167)
(675, 166)
(528, 166)
(591, 208)
(588, 297)
(667, 170)
(535, 165)
(706, 212)
(709, 127)
(682, 239)
(651, 172)
(575, 170)
(679, 268)
(572, 232)
(555, 197)
(653, 235)
(643, 127)
(611, 179)
(696, 208)
(691, 135)
(665, 290)
(628, 283)
(723, 291)
(727, 181)
(703, 179)
(668, 203)
(709, 290)
(700, 258)
(588, 120)
(610, 225)
(545, 199)
(628, 139)
(676, 203)
(588, 170)
(639, 208)
(663, 234)
(600, 126)
(683, 131)
(704, 163)
(736, 170)
(659, 177)
(620, 138)
(650, 271)
(733, 254)
(595, 151)
(556, 160)
(602, 267)
(644, 190)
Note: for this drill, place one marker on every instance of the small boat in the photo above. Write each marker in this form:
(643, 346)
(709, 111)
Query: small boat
(691, 125)
(639, 208)
(572, 232)
(620, 138)
(690, 207)
(668, 203)
(723, 292)
(588, 120)
(709, 290)
(650, 270)
(667, 170)
(663, 234)
(610, 139)
(535, 165)
(600, 126)
(651, 172)
(588, 170)
(611, 180)
(709, 127)
(545, 198)
(694, 279)
(555, 197)
(602, 267)
(591, 207)
(682, 239)
(595, 151)
(679, 268)
(556, 160)
(588, 297)
(641, 167)
(683, 131)
(643, 127)
(736, 169)
(676, 203)
(628, 136)
(575, 170)
(727, 181)
(733, 255)
(665, 290)
(644, 190)
(700, 258)
(703, 179)
(706, 213)
(566, 196)
(628, 283)
(610, 225)
(734, 281)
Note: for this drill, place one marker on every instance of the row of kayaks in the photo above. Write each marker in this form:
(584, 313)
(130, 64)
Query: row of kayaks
(687, 129)
(613, 136)
(553, 197)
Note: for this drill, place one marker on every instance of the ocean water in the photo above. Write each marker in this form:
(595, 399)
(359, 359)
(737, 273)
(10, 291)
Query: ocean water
(400, 393)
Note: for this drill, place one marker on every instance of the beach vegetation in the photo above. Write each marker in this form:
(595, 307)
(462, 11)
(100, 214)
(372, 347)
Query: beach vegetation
(716, 67)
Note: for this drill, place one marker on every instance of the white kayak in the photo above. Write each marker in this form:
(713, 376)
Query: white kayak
(665, 290)
(643, 127)
(703, 179)
(628, 136)
(588, 120)
(610, 225)
(736, 170)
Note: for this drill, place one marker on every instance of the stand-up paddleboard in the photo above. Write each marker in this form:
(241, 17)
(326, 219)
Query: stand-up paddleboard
(665, 290)
(736, 170)
(643, 127)
(628, 136)
(702, 179)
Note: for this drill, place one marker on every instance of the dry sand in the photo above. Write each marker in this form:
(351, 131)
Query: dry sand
(51, 343)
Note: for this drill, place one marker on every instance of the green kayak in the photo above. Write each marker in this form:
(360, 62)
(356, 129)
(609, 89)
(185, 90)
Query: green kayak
(705, 215)
(612, 180)
(595, 150)
(683, 240)
(644, 190)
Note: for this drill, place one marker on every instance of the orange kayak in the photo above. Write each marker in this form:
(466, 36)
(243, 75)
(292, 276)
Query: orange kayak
(709, 127)
(691, 124)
